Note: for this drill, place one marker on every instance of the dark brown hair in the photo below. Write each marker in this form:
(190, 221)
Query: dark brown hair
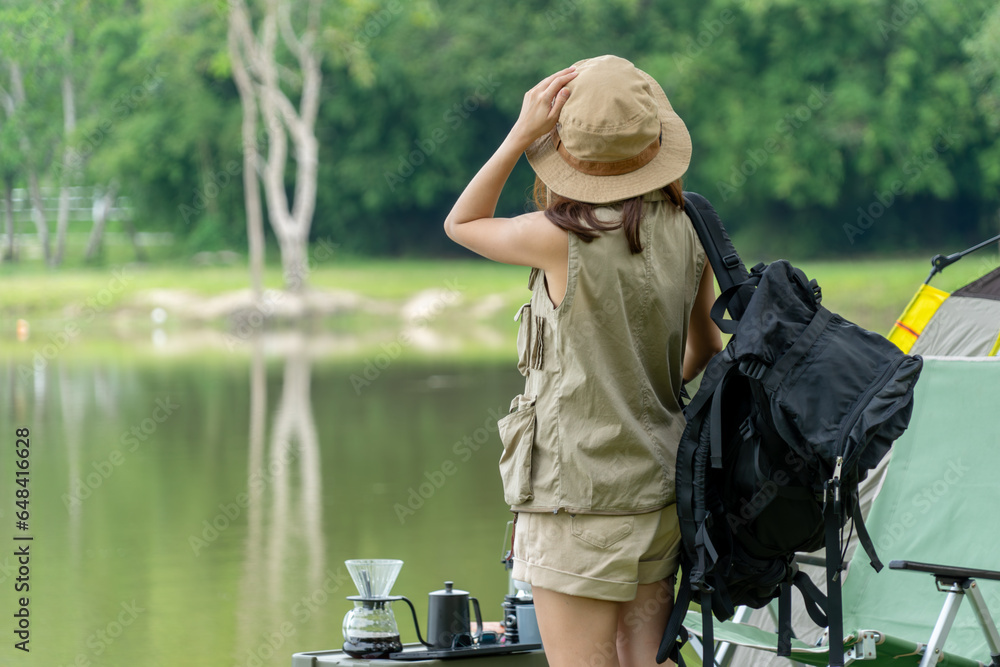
(579, 218)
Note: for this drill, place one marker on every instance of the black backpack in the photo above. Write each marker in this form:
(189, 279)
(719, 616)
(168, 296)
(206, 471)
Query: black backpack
(786, 422)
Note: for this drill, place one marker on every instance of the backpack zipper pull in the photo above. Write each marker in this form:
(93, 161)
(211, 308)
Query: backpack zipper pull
(837, 469)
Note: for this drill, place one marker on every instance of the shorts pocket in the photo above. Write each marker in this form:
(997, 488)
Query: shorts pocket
(517, 432)
(602, 531)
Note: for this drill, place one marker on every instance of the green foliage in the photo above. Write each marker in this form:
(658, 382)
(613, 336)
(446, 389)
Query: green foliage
(822, 128)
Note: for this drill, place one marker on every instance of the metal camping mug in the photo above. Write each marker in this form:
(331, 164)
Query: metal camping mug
(448, 623)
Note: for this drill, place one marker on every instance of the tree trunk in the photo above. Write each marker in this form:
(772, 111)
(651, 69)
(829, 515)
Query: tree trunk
(294, 263)
(10, 252)
(140, 254)
(251, 157)
(62, 222)
(283, 121)
(18, 100)
(38, 214)
(294, 434)
(65, 175)
(95, 242)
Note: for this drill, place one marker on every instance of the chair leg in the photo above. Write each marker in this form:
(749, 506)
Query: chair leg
(724, 654)
(943, 626)
(985, 621)
(695, 644)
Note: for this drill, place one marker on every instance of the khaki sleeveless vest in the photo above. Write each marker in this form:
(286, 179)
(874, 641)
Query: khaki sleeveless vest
(597, 427)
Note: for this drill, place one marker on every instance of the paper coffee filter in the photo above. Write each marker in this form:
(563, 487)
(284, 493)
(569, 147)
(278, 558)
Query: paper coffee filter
(374, 577)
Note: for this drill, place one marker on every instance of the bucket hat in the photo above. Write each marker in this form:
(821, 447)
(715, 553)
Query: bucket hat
(617, 136)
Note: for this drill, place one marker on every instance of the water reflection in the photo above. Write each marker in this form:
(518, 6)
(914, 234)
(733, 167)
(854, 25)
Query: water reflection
(220, 492)
(293, 443)
(71, 399)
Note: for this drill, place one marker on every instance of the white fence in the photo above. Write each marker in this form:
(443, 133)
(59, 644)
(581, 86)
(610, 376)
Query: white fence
(85, 205)
(86, 202)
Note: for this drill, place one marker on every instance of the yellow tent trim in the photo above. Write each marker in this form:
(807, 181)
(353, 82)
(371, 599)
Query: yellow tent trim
(996, 347)
(918, 312)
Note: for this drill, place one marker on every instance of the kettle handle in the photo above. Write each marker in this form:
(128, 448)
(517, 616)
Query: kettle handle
(479, 620)
(416, 623)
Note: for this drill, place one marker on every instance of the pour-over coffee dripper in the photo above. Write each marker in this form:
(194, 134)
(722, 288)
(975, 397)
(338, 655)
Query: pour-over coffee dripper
(374, 577)
(370, 629)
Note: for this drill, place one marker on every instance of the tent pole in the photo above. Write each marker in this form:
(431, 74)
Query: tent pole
(940, 262)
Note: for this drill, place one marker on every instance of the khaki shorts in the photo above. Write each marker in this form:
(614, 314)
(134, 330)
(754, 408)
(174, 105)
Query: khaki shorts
(596, 556)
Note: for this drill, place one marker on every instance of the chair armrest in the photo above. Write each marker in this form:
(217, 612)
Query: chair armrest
(945, 571)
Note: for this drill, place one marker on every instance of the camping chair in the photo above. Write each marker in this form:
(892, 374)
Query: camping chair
(938, 505)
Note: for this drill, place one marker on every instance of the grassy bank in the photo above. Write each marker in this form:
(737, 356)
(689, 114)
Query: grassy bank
(871, 292)
(31, 290)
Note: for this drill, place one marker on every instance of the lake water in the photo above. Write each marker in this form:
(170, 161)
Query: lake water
(198, 508)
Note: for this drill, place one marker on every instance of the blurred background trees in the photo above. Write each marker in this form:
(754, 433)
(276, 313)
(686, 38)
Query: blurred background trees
(824, 128)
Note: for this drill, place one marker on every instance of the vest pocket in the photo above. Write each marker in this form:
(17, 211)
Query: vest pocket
(530, 340)
(524, 342)
(517, 432)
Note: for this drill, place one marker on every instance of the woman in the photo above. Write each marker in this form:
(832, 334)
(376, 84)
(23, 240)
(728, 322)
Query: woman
(618, 320)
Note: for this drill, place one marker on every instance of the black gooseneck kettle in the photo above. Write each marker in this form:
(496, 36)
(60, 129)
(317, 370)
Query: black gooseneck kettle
(448, 623)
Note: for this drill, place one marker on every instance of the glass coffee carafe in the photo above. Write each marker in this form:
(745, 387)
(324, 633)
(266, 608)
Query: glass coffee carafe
(370, 629)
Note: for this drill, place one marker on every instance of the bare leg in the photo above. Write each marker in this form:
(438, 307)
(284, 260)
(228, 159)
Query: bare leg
(577, 631)
(641, 623)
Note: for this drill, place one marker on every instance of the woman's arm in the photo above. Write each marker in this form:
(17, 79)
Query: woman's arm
(529, 239)
(704, 340)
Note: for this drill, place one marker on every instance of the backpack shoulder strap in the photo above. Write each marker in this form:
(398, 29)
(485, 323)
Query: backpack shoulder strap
(726, 263)
(675, 635)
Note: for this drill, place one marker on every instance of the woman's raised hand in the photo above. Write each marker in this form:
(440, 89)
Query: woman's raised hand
(541, 107)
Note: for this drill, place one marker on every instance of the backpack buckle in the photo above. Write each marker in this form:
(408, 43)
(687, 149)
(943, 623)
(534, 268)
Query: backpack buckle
(753, 368)
(833, 484)
(746, 429)
(817, 291)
